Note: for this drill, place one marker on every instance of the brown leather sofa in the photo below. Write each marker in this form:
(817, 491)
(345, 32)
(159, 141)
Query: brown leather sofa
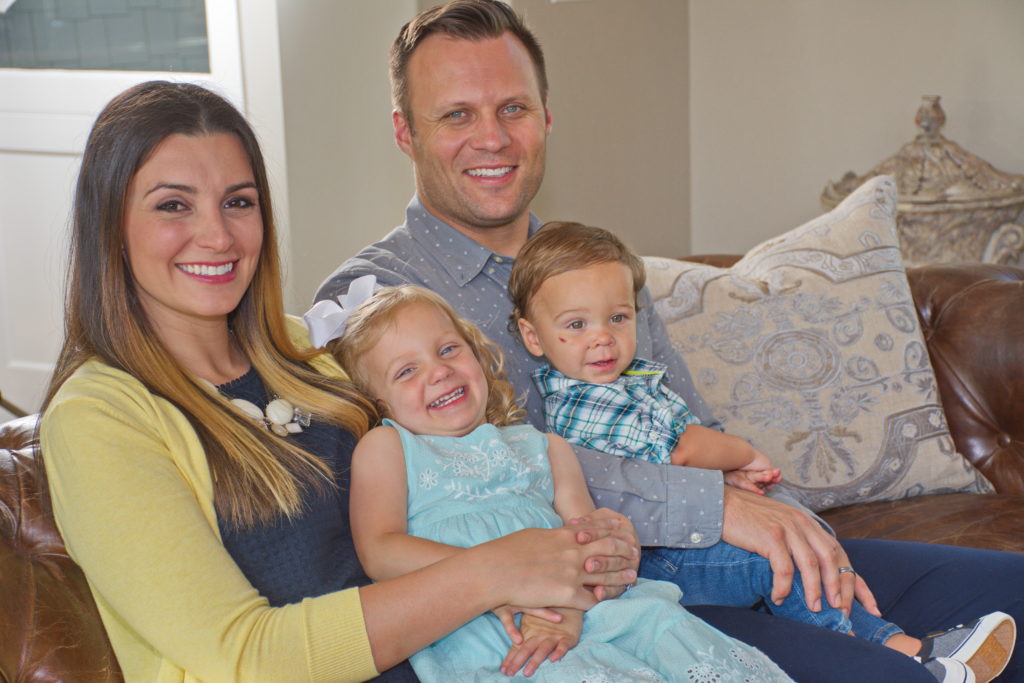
(973, 320)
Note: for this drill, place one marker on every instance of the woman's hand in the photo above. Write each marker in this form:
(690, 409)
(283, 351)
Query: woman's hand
(618, 525)
(542, 640)
(555, 567)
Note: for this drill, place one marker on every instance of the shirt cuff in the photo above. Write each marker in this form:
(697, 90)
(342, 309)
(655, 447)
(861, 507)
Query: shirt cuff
(695, 507)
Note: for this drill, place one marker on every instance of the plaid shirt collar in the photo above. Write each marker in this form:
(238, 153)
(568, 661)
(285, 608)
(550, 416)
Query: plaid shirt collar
(639, 371)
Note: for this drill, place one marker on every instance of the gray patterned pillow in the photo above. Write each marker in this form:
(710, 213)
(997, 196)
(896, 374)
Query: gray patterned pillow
(810, 347)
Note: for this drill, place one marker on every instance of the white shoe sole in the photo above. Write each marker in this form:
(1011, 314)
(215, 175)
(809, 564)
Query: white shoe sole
(987, 650)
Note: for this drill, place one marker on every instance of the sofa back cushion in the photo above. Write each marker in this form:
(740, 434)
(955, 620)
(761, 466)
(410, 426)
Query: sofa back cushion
(810, 347)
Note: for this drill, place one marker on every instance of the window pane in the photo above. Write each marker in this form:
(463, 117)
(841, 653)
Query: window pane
(108, 35)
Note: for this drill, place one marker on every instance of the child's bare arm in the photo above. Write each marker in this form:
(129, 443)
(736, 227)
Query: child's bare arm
(572, 499)
(378, 510)
(699, 446)
(745, 467)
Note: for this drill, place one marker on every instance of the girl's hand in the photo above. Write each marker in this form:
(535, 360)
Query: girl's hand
(507, 616)
(542, 640)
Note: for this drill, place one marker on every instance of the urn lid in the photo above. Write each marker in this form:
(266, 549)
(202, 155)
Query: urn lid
(932, 172)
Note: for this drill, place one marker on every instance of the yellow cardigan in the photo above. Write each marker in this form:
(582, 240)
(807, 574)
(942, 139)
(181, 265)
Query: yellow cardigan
(133, 499)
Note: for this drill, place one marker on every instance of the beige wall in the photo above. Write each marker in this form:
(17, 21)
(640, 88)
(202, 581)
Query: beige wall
(348, 183)
(618, 155)
(788, 94)
(689, 126)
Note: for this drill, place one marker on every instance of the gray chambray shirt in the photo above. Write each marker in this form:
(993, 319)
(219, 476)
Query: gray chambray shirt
(670, 506)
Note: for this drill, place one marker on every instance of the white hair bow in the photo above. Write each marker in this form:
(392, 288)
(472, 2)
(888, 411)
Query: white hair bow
(328, 318)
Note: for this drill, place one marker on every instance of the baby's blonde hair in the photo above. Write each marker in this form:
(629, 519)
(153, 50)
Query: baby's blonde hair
(368, 322)
(559, 247)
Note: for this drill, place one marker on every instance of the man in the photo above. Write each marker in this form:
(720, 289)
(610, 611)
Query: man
(470, 96)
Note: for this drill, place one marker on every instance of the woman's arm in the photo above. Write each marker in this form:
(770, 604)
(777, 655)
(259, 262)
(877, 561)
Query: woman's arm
(132, 496)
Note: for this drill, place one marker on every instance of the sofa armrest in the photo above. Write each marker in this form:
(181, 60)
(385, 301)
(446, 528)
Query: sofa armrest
(49, 627)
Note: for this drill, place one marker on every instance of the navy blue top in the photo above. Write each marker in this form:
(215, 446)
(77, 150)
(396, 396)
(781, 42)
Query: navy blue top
(312, 554)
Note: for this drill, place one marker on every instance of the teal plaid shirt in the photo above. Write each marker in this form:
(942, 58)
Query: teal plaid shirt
(636, 416)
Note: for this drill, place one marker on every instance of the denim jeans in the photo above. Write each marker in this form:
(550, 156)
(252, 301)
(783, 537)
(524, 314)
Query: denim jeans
(725, 575)
(923, 587)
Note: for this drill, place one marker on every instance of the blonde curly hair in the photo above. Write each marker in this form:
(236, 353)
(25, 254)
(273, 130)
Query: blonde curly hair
(368, 322)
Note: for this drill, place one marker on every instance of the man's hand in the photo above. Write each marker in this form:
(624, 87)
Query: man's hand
(542, 640)
(791, 539)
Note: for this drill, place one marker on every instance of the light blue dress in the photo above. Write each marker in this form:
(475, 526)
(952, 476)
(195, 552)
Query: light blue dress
(467, 490)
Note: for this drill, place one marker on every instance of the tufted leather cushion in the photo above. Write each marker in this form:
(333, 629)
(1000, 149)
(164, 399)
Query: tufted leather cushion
(972, 317)
(49, 627)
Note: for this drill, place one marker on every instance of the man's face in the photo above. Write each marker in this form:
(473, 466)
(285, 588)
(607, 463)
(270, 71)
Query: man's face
(477, 132)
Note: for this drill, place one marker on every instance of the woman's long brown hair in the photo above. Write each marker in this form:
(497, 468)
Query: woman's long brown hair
(257, 476)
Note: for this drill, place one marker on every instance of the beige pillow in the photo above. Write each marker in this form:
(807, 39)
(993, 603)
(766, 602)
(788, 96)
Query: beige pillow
(810, 347)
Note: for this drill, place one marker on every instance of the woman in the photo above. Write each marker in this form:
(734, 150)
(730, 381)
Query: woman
(209, 516)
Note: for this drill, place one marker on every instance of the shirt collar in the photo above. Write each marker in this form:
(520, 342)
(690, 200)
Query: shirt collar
(462, 257)
(640, 371)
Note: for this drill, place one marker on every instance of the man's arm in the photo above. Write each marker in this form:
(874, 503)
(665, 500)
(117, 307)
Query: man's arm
(677, 507)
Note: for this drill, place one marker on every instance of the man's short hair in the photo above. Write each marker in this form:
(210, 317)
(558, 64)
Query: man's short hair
(559, 247)
(465, 20)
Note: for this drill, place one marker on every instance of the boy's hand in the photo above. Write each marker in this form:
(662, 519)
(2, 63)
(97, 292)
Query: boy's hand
(759, 462)
(542, 640)
(755, 481)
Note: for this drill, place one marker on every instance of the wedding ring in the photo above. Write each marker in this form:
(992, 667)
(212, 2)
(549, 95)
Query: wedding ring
(843, 570)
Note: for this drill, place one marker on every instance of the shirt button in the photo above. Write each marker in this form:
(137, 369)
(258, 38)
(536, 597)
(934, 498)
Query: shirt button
(498, 259)
(696, 537)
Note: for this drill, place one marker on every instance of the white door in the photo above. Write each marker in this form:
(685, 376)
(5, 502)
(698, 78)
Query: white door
(45, 117)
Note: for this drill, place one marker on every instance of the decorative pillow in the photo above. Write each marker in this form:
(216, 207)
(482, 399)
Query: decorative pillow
(810, 347)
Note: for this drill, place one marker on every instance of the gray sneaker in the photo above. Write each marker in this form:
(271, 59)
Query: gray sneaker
(949, 670)
(984, 645)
